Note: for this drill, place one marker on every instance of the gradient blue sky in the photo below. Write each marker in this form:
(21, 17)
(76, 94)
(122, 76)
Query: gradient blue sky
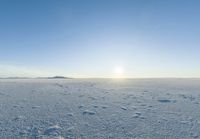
(90, 38)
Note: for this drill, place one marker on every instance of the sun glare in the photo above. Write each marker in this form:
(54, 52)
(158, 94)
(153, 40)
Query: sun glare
(118, 72)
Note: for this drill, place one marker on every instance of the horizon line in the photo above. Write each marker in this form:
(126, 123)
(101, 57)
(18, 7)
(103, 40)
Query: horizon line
(64, 77)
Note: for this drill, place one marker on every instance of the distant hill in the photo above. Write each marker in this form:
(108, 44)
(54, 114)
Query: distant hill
(59, 77)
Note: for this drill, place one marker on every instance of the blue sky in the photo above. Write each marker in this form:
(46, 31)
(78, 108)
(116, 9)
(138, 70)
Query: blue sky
(91, 38)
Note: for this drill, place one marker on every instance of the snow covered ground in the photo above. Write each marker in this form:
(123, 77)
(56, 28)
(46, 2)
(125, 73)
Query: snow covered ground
(100, 109)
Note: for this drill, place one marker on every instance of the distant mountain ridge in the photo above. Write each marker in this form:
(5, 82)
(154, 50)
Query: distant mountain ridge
(59, 77)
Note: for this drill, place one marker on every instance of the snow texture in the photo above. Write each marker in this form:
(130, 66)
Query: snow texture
(100, 109)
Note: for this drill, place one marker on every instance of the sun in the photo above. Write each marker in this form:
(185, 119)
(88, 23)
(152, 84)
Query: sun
(119, 72)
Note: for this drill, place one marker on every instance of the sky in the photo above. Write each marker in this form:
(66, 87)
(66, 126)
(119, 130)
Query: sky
(100, 38)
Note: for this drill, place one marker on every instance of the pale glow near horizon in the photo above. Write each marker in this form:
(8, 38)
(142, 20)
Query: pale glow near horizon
(115, 72)
(119, 72)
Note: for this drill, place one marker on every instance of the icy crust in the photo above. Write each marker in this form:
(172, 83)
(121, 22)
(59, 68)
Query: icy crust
(102, 109)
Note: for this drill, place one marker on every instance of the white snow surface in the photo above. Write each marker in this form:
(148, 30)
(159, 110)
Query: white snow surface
(99, 109)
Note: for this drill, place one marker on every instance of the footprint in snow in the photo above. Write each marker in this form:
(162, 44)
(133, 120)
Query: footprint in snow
(64, 94)
(182, 96)
(185, 122)
(35, 107)
(26, 131)
(54, 130)
(23, 133)
(81, 96)
(92, 98)
(104, 107)
(59, 85)
(137, 114)
(35, 133)
(2, 94)
(15, 106)
(33, 91)
(123, 108)
(20, 117)
(87, 112)
(166, 101)
(81, 106)
(70, 114)
(143, 105)
(134, 107)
